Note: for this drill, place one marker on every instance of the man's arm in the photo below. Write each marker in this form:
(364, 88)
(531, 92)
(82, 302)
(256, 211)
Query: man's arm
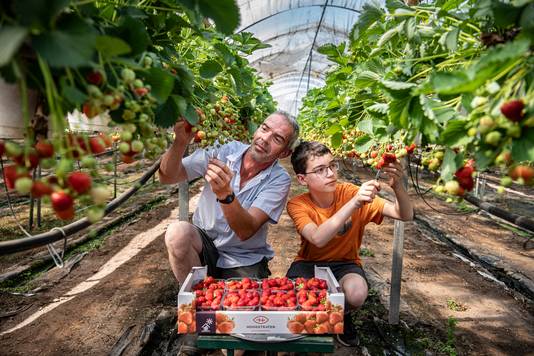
(322, 234)
(402, 208)
(245, 223)
(171, 169)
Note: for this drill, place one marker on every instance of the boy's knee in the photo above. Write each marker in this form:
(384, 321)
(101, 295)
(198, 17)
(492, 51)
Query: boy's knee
(355, 298)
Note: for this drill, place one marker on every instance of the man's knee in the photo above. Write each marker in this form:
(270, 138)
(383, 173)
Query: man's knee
(355, 297)
(178, 237)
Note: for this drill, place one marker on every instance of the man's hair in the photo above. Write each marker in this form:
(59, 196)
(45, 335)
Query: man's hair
(304, 151)
(294, 138)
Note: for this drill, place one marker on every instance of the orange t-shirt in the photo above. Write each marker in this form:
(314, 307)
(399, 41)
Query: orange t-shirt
(342, 247)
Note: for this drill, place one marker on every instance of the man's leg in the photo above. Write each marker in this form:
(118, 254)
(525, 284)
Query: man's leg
(184, 245)
(258, 270)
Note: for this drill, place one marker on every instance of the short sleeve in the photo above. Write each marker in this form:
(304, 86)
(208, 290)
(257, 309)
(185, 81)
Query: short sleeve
(299, 213)
(373, 212)
(196, 164)
(273, 197)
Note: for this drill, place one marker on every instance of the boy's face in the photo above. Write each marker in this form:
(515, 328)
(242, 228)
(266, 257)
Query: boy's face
(321, 174)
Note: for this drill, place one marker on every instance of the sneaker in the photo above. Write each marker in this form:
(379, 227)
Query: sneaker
(349, 338)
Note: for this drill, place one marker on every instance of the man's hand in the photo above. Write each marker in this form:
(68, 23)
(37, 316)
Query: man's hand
(367, 193)
(219, 177)
(182, 132)
(394, 174)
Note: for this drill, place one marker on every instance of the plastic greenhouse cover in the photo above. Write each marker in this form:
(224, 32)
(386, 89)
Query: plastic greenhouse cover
(290, 27)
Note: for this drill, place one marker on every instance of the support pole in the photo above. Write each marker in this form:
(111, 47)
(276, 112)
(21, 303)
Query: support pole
(183, 197)
(396, 264)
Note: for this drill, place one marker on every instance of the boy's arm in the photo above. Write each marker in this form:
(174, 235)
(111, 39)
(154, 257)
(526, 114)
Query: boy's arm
(322, 234)
(402, 208)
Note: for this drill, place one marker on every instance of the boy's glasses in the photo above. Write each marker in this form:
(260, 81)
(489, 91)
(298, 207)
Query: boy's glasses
(323, 171)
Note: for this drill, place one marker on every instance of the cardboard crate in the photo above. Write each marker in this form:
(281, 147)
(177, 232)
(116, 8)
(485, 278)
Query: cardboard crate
(329, 321)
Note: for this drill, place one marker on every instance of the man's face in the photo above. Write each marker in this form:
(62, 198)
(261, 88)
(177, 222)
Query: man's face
(271, 139)
(321, 174)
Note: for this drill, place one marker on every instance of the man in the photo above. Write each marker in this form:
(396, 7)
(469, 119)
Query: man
(245, 189)
(331, 219)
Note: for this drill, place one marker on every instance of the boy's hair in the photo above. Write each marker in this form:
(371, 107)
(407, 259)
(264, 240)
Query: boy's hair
(304, 151)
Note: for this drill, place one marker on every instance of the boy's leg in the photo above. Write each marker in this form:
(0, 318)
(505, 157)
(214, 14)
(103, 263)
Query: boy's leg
(187, 247)
(352, 280)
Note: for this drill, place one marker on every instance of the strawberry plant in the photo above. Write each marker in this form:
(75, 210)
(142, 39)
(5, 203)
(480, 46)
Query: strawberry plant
(456, 78)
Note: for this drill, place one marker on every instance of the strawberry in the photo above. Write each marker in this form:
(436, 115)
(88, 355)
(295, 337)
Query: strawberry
(61, 201)
(199, 136)
(389, 158)
(80, 182)
(411, 148)
(44, 149)
(513, 110)
(66, 214)
(374, 154)
(141, 91)
(95, 77)
(97, 145)
(40, 189)
(524, 173)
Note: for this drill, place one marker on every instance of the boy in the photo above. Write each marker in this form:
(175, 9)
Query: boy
(331, 219)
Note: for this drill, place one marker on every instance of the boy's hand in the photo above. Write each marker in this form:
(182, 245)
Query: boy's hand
(394, 174)
(219, 177)
(367, 192)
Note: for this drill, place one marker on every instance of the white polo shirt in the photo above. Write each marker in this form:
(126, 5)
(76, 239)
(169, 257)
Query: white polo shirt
(267, 191)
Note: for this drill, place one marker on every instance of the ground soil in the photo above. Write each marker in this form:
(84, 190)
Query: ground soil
(436, 286)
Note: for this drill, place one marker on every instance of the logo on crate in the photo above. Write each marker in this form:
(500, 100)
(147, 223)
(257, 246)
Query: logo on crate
(206, 322)
(260, 319)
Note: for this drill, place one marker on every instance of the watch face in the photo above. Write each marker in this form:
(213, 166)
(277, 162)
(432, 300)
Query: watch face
(228, 199)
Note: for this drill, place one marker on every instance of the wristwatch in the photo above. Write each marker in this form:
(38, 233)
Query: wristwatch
(229, 198)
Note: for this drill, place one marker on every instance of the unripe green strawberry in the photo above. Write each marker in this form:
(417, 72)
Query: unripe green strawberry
(124, 147)
(100, 195)
(472, 132)
(137, 146)
(452, 187)
(128, 75)
(13, 149)
(493, 138)
(126, 136)
(506, 181)
(23, 185)
(95, 214)
(486, 123)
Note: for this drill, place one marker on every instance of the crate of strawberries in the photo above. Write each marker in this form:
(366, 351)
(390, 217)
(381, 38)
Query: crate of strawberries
(276, 305)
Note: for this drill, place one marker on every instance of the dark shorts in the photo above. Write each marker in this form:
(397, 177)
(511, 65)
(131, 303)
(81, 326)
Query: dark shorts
(339, 269)
(210, 255)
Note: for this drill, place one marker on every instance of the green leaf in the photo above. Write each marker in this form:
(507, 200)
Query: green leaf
(451, 39)
(379, 108)
(225, 53)
(209, 69)
(64, 49)
(73, 95)
(161, 81)
(336, 139)
(395, 85)
(366, 126)
(448, 167)
(110, 46)
(523, 148)
(167, 114)
(225, 13)
(366, 78)
(363, 143)
(191, 114)
(505, 15)
(527, 21)
(133, 31)
(399, 110)
(335, 128)
(451, 5)
(507, 52)
(181, 103)
(38, 13)
(455, 134)
(386, 37)
(11, 38)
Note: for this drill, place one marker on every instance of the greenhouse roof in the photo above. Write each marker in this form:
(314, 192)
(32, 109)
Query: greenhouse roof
(295, 29)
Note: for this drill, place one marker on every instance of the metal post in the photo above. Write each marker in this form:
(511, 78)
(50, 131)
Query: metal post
(32, 203)
(39, 175)
(183, 197)
(114, 171)
(396, 264)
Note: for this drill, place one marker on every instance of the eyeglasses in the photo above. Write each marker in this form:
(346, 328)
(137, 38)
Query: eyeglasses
(323, 171)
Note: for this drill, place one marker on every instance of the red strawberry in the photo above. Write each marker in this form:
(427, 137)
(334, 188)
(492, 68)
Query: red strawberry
(389, 158)
(80, 182)
(513, 110)
(141, 91)
(61, 201)
(97, 145)
(44, 149)
(66, 214)
(127, 158)
(95, 77)
(524, 172)
(40, 189)
(410, 148)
